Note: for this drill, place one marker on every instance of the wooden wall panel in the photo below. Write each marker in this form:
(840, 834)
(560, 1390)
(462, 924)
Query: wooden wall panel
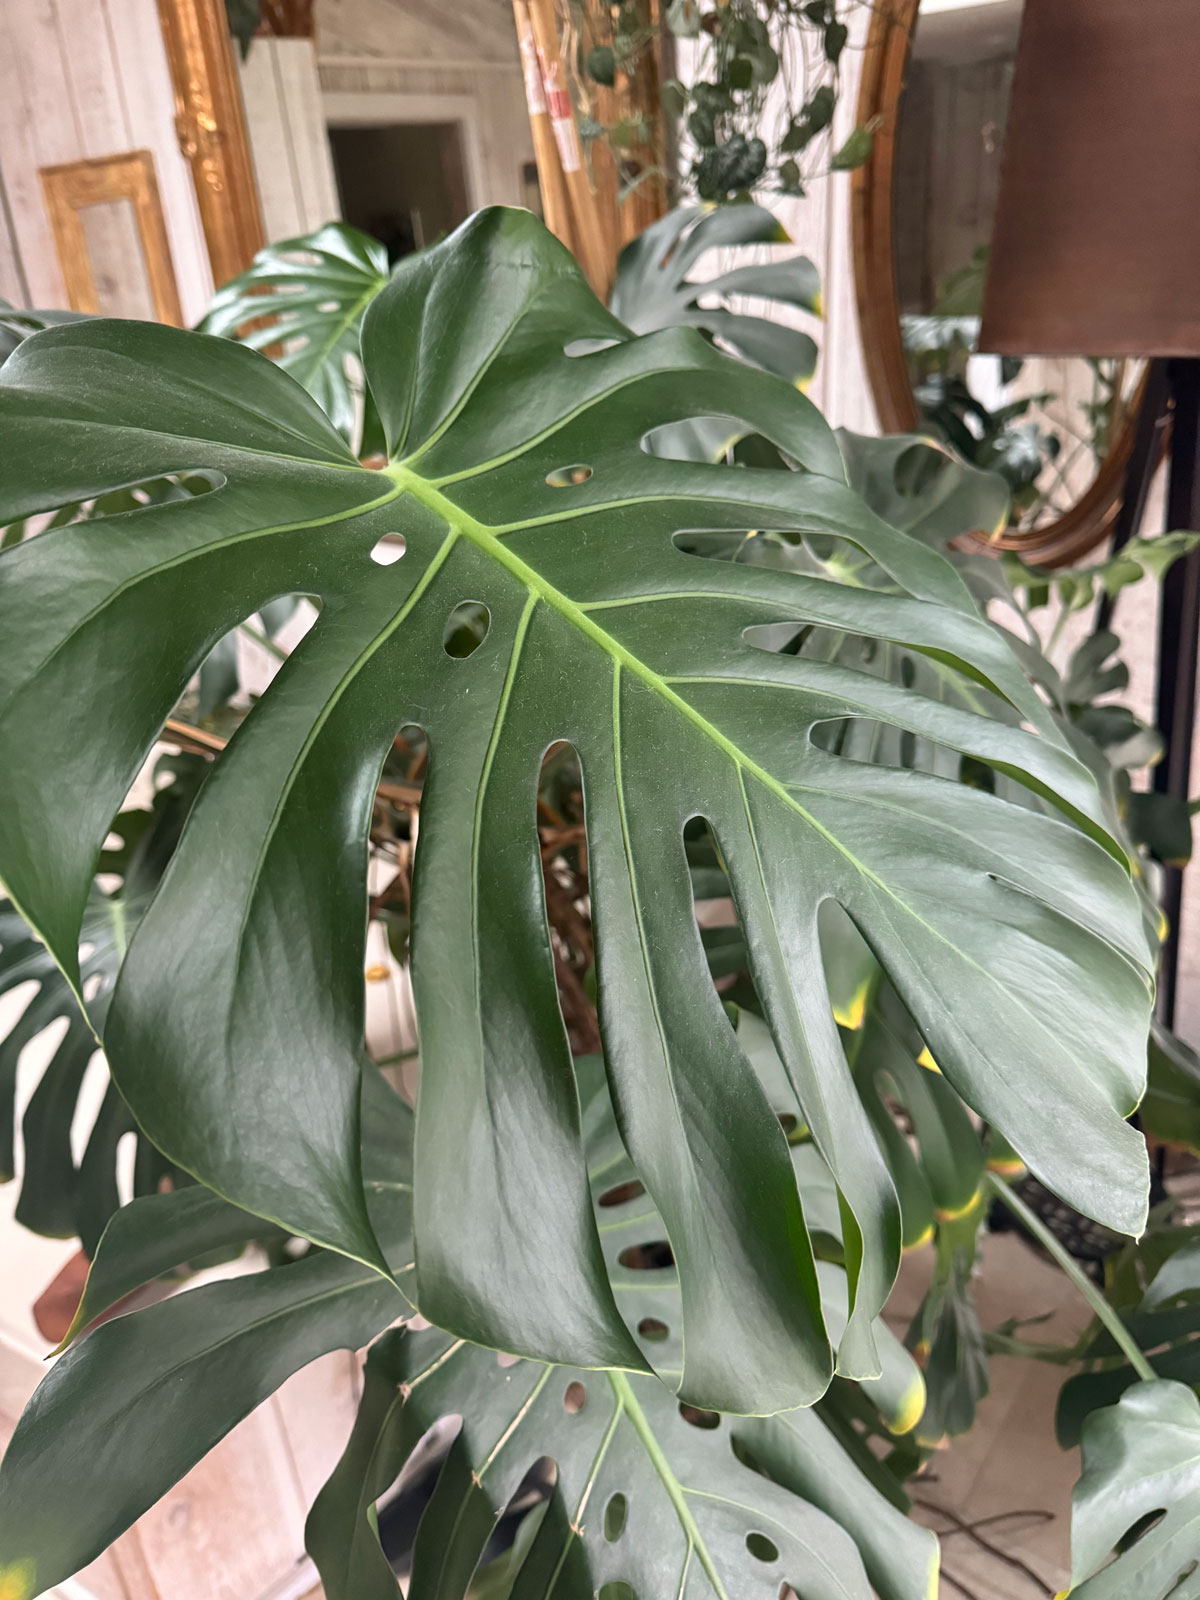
(286, 124)
(79, 79)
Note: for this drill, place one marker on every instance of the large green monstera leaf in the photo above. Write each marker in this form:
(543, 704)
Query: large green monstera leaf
(518, 482)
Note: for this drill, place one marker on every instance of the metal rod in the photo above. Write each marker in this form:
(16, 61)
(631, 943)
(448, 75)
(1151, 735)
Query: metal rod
(1178, 631)
(1152, 420)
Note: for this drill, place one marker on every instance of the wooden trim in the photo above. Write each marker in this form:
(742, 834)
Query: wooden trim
(76, 185)
(211, 127)
(885, 68)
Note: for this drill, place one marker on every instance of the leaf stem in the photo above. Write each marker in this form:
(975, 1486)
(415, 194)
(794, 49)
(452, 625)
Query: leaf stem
(1124, 1340)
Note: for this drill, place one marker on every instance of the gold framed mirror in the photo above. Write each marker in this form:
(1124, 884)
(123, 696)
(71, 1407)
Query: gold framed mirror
(936, 81)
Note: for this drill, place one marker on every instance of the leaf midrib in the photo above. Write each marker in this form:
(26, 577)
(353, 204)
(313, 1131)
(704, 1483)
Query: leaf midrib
(486, 540)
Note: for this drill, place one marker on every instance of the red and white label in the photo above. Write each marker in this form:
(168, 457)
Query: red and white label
(561, 117)
(535, 97)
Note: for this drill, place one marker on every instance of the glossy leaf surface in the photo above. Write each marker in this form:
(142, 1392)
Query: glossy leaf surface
(518, 482)
(137, 1401)
(1140, 1490)
(655, 287)
(302, 301)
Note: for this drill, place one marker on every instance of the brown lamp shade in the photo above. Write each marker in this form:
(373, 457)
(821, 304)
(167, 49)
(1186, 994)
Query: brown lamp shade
(1096, 247)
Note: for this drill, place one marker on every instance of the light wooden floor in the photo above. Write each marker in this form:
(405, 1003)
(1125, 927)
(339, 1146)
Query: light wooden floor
(1009, 1471)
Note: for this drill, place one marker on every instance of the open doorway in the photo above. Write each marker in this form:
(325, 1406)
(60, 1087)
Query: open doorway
(404, 183)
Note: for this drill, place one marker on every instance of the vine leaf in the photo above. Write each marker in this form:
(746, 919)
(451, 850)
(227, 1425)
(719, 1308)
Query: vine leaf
(518, 481)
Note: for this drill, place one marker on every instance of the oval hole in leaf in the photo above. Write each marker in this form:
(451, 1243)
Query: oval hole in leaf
(761, 1548)
(621, 1192)
(329, 306)
(645, 1257)
(618, 1590)
(698, 1418)
(615, 1513)
(1144, 1525)
(651, 1328)
(390, 547)
(568, 477)
(466, 629)
(575, 1398)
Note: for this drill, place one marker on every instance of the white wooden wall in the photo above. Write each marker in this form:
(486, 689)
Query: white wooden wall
(425, 62)
(83, 78)
(285, 121)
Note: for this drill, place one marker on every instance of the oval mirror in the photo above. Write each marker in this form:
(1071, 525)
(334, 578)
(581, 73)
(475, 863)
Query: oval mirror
(937, 78)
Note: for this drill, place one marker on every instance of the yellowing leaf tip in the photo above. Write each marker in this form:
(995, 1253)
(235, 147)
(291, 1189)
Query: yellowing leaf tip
(16, 1581)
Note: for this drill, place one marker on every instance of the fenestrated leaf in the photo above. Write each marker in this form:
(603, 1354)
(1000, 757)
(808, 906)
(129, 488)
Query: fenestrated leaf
(60, 1196)
(302, 301)
(796, 1451)
(690, 1506)
(159, 1233)
(1141, 1483)
(133, 1406)
(138, 1401)
(654, 288)
(154, 1235)
(519, 483)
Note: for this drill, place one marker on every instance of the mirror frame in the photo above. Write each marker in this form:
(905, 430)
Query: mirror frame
(884, 71)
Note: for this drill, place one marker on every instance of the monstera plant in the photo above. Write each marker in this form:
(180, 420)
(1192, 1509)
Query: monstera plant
(519, 487)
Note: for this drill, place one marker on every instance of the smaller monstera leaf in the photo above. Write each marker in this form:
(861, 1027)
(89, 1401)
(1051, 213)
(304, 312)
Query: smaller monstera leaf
(648, 1492)
(134, 1403)
(1163, 1317)
(1139, 1494)
(130, 1408)
(934, 1151)
(919, 485)
(517, 411)
(654, 287)
(60, 1196)
(302, 302)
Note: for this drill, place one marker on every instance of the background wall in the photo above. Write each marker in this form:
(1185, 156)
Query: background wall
(426, 49)
(78, 79)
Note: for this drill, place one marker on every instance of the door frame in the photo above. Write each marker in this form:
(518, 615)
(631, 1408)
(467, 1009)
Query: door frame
(374, 108)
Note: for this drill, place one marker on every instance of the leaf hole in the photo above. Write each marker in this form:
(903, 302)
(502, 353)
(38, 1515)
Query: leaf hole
(329, 306)
(466, 629)
(617, 1590)
(575, 1398)
(503, 1359)
(620, 1193)
(761, 1548)
(570, 476)
(698, 1418)
(388, 549)
(1144, 1525)
(646, 1257)
(615, 1513)
(653, 1329)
